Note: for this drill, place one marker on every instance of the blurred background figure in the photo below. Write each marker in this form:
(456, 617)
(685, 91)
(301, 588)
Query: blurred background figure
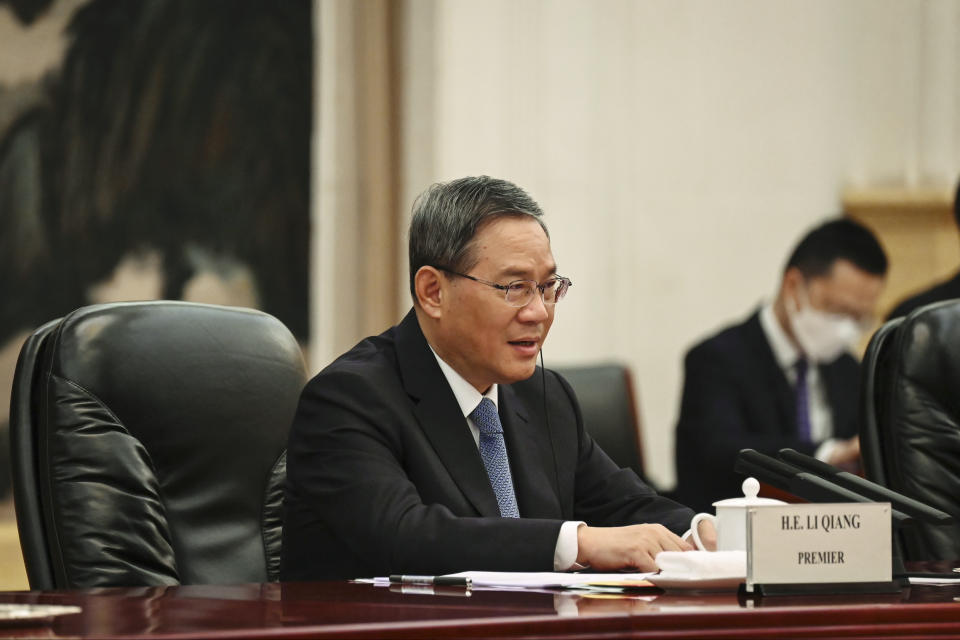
(785, 376)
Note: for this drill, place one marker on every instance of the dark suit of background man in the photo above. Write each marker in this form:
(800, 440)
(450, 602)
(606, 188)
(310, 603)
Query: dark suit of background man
(784, 377)
(389, 469)
(946, 290)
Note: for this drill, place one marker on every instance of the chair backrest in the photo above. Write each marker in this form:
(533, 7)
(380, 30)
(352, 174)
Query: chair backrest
(149, 444)
(910, 387)
(26, 488)
(876, 362)
(605, 393)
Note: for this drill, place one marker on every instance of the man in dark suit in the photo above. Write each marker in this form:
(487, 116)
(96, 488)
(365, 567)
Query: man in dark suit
(784, 377)
(439, 445)
(946, 290)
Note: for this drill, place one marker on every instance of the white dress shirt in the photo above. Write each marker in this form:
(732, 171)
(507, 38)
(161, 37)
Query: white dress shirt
(565, 553)
(786, 355)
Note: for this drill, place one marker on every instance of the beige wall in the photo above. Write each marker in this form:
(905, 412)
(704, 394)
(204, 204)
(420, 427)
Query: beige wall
(678, 148)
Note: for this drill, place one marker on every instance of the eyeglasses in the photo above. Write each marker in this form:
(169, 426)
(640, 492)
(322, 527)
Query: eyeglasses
(519, 293)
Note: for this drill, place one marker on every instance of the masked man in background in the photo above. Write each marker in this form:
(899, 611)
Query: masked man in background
(784, 377)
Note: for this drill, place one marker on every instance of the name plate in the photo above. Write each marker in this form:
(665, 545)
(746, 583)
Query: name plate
(818, 543)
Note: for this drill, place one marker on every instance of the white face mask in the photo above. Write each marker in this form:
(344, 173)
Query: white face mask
(822, 336)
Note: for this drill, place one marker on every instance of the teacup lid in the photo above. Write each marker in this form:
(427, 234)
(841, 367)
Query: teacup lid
(750, 499)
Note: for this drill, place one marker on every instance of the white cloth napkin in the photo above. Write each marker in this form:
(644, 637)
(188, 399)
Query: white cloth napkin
(703, 565)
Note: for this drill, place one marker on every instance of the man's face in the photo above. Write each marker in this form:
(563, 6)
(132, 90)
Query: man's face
(846, 289)
(481, 336)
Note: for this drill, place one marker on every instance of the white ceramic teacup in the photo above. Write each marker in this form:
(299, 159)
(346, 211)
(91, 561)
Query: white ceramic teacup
(731, 518)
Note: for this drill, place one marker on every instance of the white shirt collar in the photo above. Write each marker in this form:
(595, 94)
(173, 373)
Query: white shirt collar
(467, 396)
(784, 351)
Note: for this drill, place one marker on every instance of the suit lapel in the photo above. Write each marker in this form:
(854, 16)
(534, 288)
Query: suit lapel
(834, 387)
(769, 369)
(438, 413)
(531, 458)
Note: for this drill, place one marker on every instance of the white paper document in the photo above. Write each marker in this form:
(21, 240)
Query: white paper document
(933, 580)
(537, 580)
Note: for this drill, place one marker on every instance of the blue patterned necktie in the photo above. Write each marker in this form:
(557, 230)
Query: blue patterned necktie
(493, 450)
(803, 402)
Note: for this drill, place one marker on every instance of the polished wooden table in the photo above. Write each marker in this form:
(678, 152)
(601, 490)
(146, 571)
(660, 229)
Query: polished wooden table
(350, 610)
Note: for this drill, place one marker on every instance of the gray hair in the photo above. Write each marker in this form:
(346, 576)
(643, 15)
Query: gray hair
(447, 215)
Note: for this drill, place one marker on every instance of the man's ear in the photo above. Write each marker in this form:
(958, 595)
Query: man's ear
(428, 285)
(792, 280)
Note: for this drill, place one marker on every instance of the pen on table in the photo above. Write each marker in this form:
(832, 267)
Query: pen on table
(437, 581)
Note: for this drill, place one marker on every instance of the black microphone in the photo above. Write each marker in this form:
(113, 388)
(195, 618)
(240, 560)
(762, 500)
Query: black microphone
(800, 483)
(872, 490)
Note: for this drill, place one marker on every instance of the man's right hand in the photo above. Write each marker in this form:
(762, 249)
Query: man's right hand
(632, 547)
(845, 452)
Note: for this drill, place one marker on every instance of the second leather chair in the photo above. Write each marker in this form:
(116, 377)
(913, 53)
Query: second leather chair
(910, 434)
(148, 445)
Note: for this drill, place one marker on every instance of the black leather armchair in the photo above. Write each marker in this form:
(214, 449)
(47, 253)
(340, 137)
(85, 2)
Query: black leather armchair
(910, 432)
(873, 397)
(605, 393)
(148, 445)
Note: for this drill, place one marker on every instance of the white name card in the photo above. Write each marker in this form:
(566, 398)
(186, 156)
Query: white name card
(818, 543)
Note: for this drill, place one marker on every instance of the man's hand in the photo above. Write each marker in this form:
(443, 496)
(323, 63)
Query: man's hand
(845, 452)
(632, 547)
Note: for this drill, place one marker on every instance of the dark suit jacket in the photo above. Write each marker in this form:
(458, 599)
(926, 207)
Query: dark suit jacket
(735, 396)
(947, 290)
(383, 475)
